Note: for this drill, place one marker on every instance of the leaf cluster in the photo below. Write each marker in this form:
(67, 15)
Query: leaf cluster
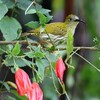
(11, 30)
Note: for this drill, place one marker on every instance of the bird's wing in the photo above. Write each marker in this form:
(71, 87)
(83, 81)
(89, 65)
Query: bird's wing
(53, 28)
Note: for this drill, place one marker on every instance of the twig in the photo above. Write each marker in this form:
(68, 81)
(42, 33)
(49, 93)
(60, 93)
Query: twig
(88, 62)
(29, 7)
(14, 42)
(88, 48)
(82, 48)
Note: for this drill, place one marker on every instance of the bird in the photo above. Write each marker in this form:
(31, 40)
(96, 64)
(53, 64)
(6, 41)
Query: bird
(56, 32)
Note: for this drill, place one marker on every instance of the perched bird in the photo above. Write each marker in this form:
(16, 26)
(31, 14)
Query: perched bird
(57, 32)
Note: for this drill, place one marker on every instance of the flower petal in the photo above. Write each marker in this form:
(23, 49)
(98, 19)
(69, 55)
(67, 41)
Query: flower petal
(35, 93)
(22, 81)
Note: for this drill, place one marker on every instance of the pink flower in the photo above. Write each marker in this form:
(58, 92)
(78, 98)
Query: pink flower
(60, 68)
(22, 81)
(35, 93)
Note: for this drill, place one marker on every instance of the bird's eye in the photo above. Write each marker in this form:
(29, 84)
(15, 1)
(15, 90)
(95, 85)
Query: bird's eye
(70, 19)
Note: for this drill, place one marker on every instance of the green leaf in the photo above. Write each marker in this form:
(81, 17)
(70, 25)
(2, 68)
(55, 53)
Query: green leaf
(0, 1)
(39, 55)
(33, 24)
(31, 11)
(16, 50)
(9, 27)
(46, 13)
(23, 4)
(29, 54)
(3, 10)
(20, 62)
(51, 57)
(6, 86)
(8, 3)
(70, 39)
(9, 98)
(41, 68)
(17, 96)
(43, 19)
(49, 17)
(3, 49)
(38, 7)
(27, 62)
(35, 54)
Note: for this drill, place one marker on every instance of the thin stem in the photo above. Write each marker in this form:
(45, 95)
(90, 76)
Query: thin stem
(63, 87)
(88, 48)
(73, 53)
(53, 76)
(3, 50)
(39, 76)
(88, 62)
(14, 8)
(67, 95)
(82, 48)
(50, 39)
(29, 7)
(20, 42)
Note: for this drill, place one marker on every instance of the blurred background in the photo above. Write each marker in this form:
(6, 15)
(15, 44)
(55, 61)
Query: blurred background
(83, 82)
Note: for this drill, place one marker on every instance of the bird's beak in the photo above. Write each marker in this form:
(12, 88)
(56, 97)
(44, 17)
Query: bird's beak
(78, 20)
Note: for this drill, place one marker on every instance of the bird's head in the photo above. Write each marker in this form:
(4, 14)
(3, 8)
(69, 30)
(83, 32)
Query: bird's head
(72, 19)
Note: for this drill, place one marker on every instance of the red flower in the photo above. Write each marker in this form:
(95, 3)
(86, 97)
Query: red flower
(35, 93)
(22, 81)
(60, 68)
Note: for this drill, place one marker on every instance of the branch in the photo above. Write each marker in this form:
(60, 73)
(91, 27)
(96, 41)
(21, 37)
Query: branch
(82, 48)
(33, 43)
(20, 42)
(88, 48)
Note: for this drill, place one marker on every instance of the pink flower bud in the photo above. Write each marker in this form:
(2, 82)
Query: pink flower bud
(60, 68)
(22, 81)
(35, 93)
